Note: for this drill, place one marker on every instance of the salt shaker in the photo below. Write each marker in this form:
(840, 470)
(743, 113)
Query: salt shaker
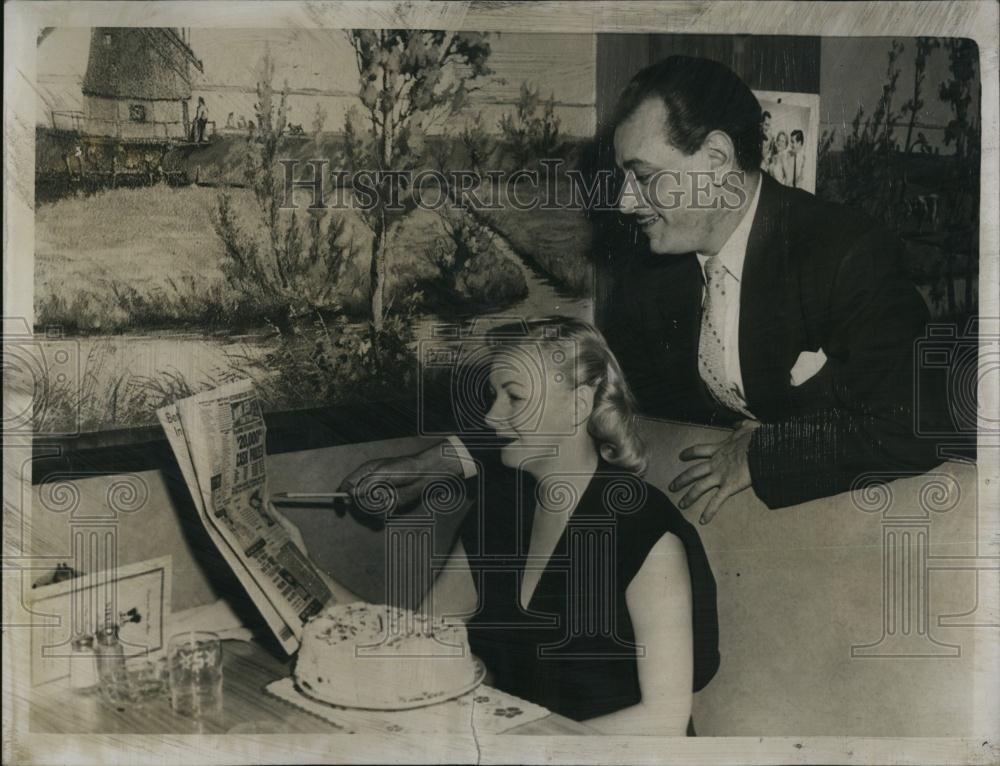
(111, 665)
(83, 664)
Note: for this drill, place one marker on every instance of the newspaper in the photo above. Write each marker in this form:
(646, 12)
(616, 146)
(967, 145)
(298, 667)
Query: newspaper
(218, 440)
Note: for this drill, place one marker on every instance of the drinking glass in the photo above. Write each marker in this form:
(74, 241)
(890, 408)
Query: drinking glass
(195, 662)
(146, 678)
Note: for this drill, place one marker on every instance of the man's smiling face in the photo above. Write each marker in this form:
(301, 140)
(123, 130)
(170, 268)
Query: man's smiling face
(659, 182)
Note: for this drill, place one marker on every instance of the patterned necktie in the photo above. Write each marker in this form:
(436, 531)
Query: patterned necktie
(711, 346)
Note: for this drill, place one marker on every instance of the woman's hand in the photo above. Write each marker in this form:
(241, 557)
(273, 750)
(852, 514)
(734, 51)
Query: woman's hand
(380, 486)
(376, 482)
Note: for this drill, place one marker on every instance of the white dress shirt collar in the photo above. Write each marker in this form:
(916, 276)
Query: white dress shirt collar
(734, 251)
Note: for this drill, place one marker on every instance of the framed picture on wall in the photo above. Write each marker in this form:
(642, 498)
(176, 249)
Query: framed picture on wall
(791, 137)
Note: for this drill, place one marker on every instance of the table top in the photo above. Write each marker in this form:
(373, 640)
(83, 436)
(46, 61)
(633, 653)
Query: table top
(248, 668)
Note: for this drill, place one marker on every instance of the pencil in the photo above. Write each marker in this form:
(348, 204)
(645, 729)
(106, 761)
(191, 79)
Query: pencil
(322, 497)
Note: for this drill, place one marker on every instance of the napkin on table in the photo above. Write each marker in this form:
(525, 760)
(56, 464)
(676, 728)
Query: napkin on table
(218, 618)
(491, 711)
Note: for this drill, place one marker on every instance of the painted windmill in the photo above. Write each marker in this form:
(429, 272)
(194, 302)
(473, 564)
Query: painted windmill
(138, 84)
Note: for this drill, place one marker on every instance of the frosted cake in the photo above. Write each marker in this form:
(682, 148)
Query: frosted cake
(369, 655)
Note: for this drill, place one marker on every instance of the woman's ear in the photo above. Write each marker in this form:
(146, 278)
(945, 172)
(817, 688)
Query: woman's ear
(584, 404)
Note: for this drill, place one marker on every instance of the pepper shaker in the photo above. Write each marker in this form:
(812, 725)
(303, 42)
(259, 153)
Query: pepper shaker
(83, 664)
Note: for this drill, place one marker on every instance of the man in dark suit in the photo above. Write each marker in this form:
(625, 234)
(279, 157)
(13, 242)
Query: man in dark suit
(756, 305)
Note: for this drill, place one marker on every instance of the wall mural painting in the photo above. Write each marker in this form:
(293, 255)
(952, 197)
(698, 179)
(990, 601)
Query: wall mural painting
(169, 258)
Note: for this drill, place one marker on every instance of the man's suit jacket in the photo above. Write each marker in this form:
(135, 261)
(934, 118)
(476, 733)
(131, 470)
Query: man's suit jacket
(816, 276)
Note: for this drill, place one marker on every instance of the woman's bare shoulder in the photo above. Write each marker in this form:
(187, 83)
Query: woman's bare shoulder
(666, 563)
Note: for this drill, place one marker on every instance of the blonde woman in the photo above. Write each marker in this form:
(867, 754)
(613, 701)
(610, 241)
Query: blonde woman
(780, 165)
(582, 587)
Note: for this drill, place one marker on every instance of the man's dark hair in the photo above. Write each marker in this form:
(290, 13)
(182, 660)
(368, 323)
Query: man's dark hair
(798, 135)
(700, 95)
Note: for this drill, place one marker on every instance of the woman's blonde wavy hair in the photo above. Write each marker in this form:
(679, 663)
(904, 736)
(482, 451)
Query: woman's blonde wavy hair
(613, 423)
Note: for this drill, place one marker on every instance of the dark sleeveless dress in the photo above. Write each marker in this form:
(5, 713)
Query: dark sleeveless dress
(573, 650)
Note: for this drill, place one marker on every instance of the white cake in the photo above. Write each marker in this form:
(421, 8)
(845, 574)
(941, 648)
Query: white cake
(368, 655)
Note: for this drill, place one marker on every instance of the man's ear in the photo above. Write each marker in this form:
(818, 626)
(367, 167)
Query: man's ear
(721, 153)
(584, 404)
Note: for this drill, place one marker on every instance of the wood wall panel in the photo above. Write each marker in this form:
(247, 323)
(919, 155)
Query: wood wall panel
(771, 62)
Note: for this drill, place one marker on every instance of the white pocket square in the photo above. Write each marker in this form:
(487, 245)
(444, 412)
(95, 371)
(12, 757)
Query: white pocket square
(807, 365)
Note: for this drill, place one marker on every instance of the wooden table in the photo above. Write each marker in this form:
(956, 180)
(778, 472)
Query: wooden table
(248, 668)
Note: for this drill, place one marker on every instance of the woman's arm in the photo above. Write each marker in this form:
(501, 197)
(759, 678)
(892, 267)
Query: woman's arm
(779, 169)
(659, 604)
(453, 593)
(789, 169)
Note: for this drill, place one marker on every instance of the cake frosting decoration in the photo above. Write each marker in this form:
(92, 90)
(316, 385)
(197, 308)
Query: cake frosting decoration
(373, 655)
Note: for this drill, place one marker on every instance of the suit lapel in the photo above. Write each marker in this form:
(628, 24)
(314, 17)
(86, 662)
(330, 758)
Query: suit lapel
(670, 324)
(763, 331)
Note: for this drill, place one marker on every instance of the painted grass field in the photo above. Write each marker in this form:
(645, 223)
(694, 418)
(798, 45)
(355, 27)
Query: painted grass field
(109, 262)
(138, 259)
(136, 280)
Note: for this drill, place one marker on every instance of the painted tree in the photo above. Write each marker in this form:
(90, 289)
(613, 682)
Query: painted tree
(477, 143)
(912, 108)
(530, 137)
(268, 262)
(319, 121)
(962, 93)
(271, 112)
(410, 80)
(870, 148)
(925, 46)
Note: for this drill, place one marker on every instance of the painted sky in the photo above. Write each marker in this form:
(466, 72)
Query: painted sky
(319, 67)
